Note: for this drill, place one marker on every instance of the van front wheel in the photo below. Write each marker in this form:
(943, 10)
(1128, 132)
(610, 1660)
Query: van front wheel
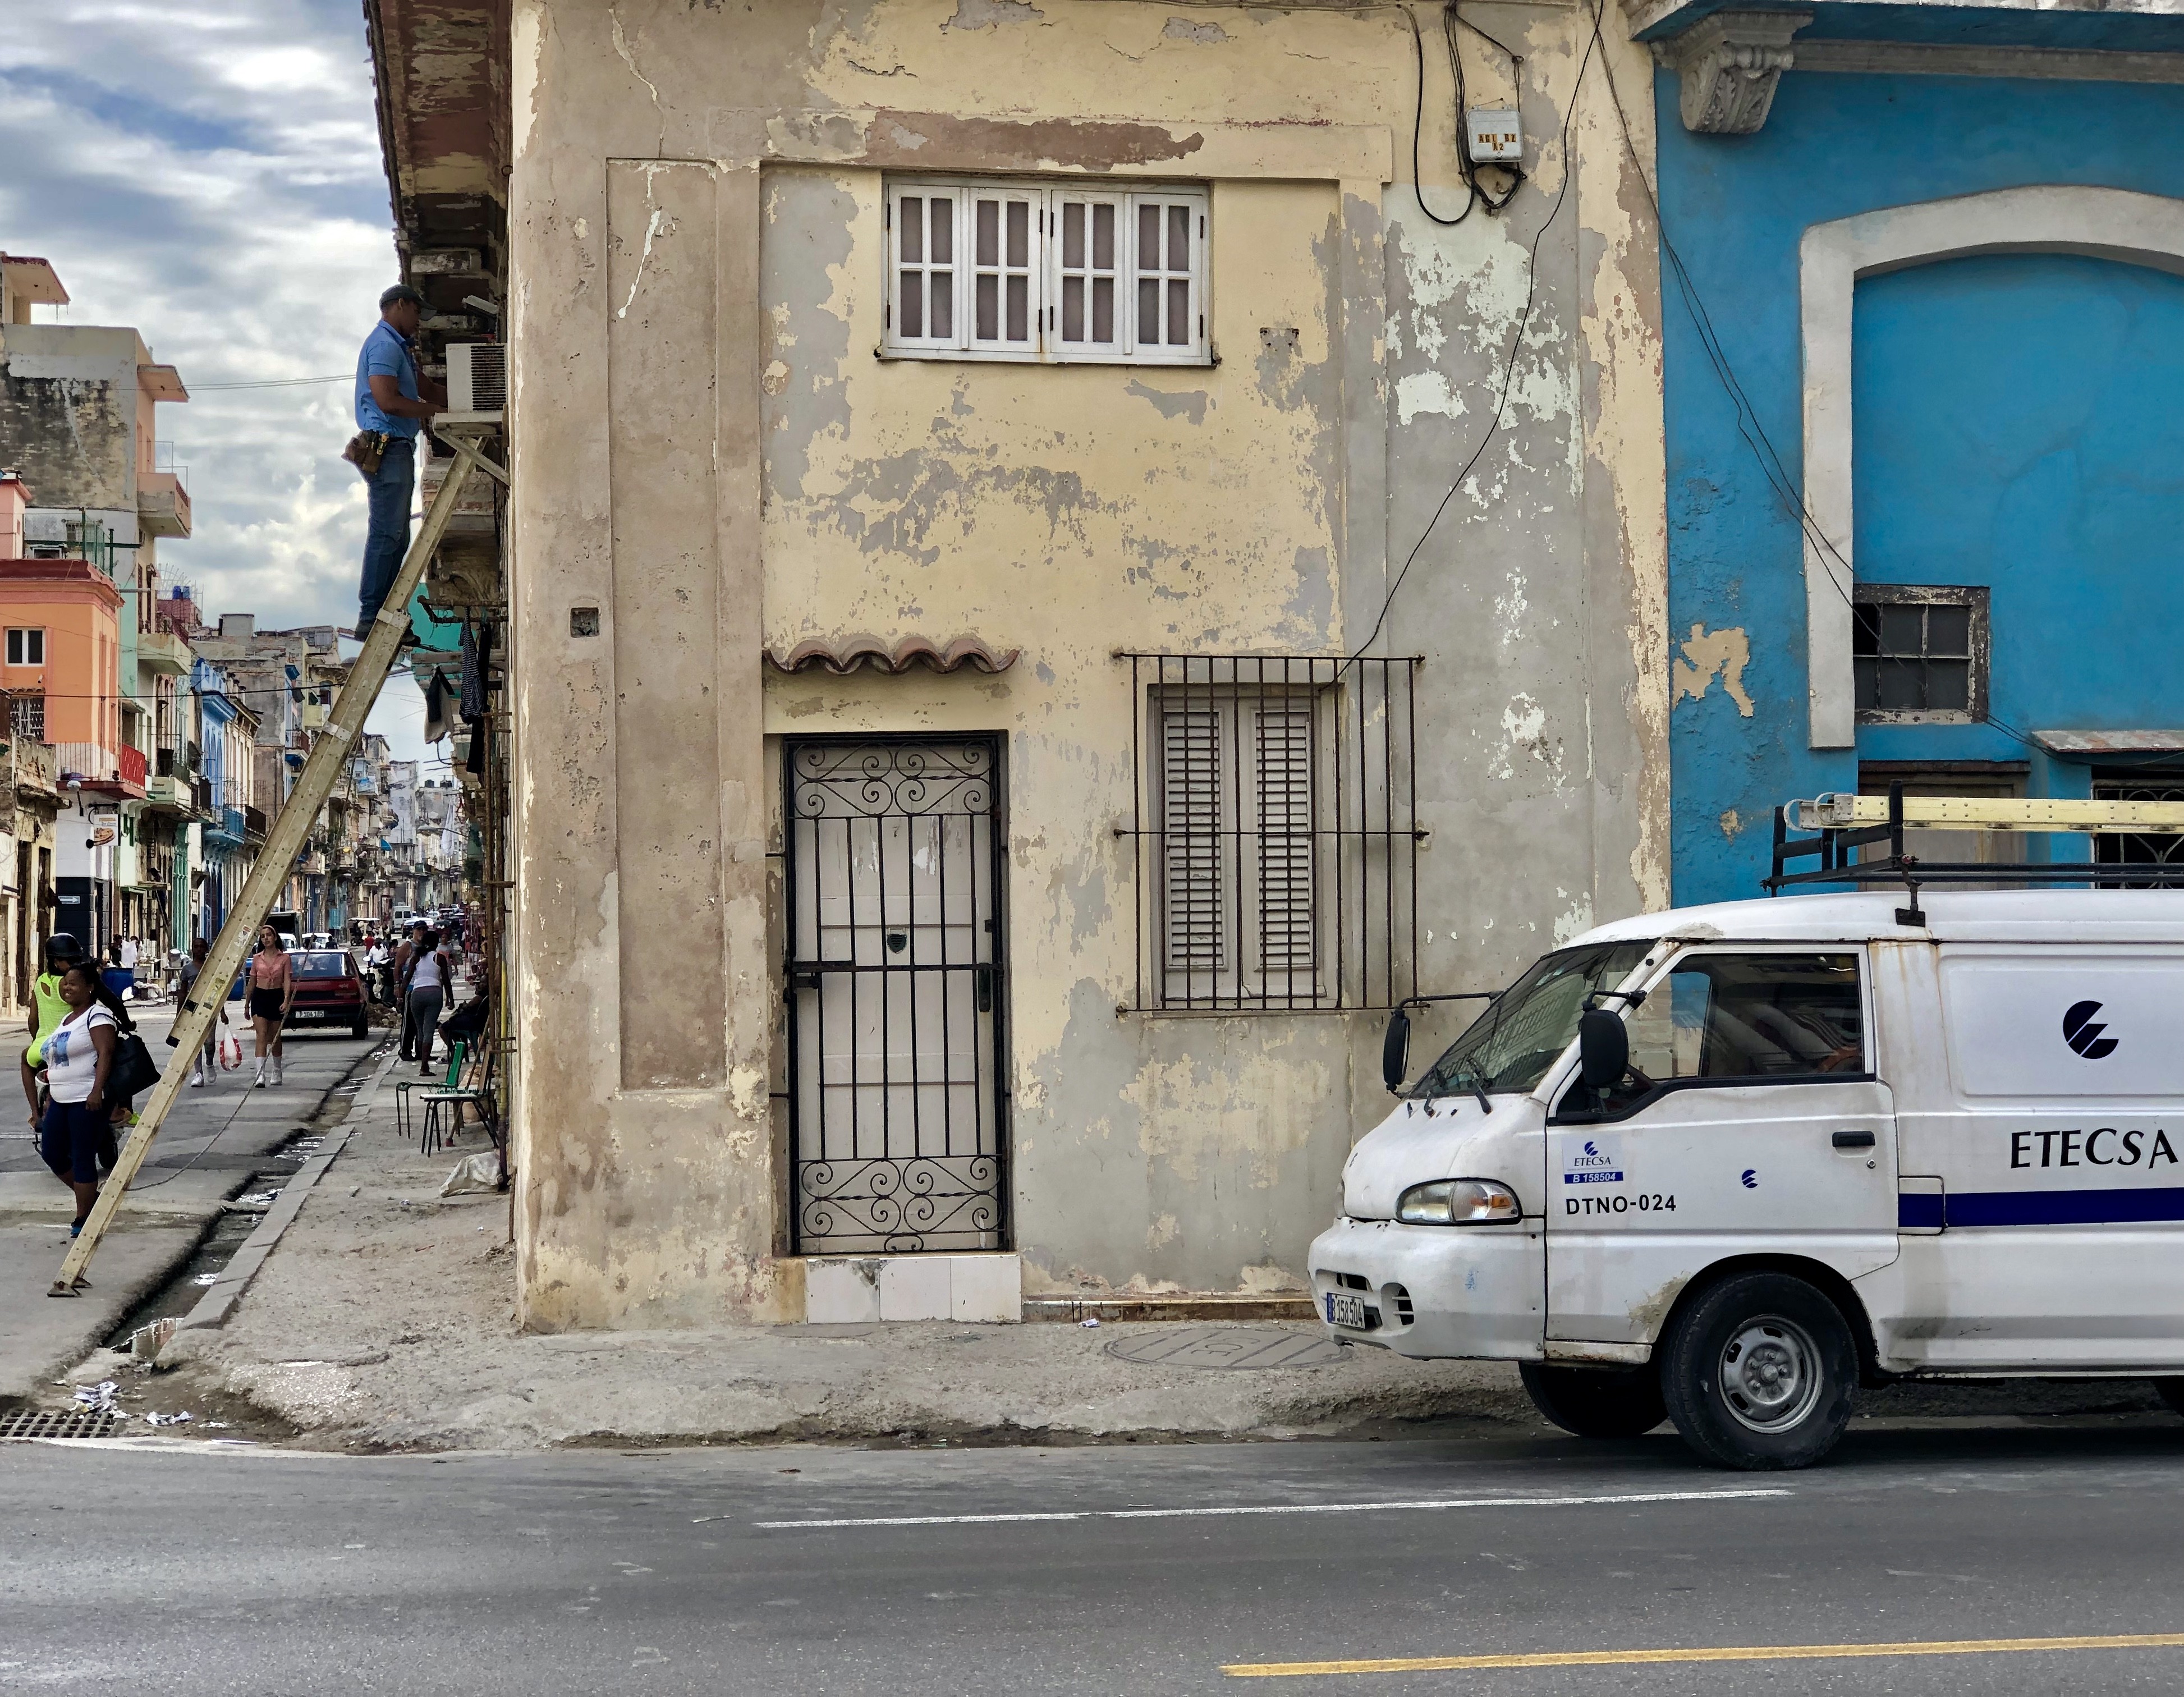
(1759, 1371)
(1593, 1402)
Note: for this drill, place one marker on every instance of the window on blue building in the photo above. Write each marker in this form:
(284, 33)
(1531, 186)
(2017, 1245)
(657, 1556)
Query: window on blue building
(1919, 653)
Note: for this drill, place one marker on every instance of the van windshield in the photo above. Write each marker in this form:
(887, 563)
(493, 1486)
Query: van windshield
(1510, 1047)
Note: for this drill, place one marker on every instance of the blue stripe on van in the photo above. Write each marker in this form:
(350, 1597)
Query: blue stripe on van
(1919, 1210)
(2053, 1206)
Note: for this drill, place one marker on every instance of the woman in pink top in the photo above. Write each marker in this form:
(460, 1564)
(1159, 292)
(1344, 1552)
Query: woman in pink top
(272, 991)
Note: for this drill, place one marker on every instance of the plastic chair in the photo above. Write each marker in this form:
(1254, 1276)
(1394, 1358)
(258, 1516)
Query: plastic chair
(403, 1086)
(451, 1097)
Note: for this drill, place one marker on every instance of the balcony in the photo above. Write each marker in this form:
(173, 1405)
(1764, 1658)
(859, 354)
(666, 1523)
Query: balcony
(253, 826)
(164, 653)
(103, 771)
(223, 828)
(163, 504)
(34, 770)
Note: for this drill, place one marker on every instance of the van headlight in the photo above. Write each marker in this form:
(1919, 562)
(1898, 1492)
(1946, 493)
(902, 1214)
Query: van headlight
(1458, 1202)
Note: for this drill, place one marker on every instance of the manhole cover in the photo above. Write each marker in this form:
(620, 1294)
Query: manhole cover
(1227, 1346)
(75, 1423)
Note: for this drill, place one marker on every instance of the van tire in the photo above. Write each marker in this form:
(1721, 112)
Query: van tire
(1803, 1366)
(1593, 1402)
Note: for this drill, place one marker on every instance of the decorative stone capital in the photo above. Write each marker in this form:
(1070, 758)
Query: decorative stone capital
(1728, 63)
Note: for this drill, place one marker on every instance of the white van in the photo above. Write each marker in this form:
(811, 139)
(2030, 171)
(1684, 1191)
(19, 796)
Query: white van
(1794, 1146)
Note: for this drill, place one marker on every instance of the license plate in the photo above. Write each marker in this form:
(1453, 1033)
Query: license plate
(1344, 1310)
(307, 1013)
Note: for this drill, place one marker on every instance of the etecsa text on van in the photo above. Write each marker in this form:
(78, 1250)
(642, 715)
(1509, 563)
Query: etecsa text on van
(1728, 1163)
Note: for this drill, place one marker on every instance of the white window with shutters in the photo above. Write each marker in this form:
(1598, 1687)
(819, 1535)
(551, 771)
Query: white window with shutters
(996, 269)
(1238, 811)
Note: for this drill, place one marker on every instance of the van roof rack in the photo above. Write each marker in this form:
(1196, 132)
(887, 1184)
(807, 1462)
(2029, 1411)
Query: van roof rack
(1844, 825)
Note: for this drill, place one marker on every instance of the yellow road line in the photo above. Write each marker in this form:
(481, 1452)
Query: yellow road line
(1778, 1652)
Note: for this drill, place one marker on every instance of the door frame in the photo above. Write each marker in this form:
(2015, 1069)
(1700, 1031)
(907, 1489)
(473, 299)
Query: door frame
(999, 1088)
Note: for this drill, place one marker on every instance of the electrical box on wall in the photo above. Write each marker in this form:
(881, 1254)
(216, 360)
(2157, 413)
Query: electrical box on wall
(1495, 137)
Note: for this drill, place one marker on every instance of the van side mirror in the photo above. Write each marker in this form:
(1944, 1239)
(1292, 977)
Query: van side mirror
(1395, 1051)
(1603, 1048)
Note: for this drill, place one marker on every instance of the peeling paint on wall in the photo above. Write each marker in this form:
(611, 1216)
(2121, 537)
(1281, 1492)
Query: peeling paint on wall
(1708, 655)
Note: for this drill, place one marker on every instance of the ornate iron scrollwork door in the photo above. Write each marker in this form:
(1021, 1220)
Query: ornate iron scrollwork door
(896, 1002)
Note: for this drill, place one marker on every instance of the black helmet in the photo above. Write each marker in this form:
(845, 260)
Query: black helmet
(63, 948)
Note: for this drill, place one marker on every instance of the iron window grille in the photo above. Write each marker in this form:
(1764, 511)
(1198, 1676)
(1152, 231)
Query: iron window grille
(1275, 832)
(1919, 653)
(2131, 848)
(27, 718)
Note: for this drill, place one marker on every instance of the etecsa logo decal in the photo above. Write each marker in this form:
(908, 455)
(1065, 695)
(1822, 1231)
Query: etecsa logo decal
(2082, 1032)
(1596, 1161)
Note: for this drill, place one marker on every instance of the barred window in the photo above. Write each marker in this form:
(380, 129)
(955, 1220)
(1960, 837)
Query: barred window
(1276, 833)
(27, 718)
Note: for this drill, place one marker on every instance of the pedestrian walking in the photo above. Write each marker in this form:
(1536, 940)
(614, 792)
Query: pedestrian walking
(272, 993)
(204, 1068)
(391, 402)
(430, 978)
(75, 1127)
(406, 952)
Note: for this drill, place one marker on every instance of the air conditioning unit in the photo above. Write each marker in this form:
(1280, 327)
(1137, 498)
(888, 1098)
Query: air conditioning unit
(477, 377)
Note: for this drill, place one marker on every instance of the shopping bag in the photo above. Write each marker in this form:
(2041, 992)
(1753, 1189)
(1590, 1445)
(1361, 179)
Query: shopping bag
(231, 1053)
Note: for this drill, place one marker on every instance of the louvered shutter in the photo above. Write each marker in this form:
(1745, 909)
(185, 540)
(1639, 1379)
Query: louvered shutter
(1190, 838)
(1167, 258)
(1088, 312)
(1005, 292)
(1288, 950)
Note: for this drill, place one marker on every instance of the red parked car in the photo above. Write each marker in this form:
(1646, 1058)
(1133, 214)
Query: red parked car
(329, 991)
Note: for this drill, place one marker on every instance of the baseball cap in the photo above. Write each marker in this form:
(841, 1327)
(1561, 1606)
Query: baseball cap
(400, 292)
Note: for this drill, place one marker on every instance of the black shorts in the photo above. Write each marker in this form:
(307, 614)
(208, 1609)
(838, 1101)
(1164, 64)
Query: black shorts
(72, 1137)
(265, 1004)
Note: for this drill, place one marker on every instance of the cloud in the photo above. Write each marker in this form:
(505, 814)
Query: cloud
(212, 176)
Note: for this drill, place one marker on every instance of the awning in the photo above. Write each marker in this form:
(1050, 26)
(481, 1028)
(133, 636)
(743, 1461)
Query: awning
(2084, 744)
(846, 655)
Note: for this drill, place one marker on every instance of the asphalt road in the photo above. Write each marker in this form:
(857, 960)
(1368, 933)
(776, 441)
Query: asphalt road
(714, 1572)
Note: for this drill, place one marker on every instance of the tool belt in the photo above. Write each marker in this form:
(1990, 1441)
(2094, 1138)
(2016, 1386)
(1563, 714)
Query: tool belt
(366, 449)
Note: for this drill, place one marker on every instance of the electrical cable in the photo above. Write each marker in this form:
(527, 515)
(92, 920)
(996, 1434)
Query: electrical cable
(1516, 343)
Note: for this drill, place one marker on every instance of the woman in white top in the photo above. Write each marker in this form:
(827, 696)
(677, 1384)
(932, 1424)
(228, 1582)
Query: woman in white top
(430, 981)
(78, 1055)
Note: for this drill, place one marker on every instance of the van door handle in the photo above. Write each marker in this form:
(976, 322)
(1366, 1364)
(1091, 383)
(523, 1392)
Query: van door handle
(1854, 1139)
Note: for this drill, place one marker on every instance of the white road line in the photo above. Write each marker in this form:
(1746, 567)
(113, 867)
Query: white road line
(1276, 1508)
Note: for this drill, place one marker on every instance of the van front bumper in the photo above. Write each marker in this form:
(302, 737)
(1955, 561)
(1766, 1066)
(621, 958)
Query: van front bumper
(1436, 1291)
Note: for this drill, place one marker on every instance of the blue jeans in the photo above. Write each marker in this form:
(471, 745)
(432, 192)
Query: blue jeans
(387, 539)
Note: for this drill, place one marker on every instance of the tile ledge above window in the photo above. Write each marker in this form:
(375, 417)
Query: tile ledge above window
(846, 655)
(984, 356)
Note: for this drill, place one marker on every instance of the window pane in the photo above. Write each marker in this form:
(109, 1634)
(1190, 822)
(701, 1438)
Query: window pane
(911, 314)
(1773, 1014)
(1949, 685)
(1149, 310)
(1148, 235)
(1179, 312)
(943, 303)
(1901, 629)
(1103, 308)
(1178, 238)
(1866, 677)
(1019, 232)
(989, 231)
(912, 222)
(1019, 309)
(1948, 630)
(1865, 630)
(943, 231)
(1072, 236)
(1073, 308)
(1901, 682)
(1103, 238)
(986, 327)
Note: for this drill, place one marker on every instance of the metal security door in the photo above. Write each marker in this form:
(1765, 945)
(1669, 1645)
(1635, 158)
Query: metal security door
(895, 996)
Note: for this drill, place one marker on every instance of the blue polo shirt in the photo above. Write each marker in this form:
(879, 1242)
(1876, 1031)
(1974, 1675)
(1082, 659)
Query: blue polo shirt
(385, 354)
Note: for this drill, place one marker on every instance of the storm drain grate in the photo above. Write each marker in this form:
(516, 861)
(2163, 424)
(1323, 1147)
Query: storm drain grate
(75, 1423)
(1228, 1346)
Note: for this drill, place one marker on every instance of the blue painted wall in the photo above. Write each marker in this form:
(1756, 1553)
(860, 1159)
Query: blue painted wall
(2019, 424)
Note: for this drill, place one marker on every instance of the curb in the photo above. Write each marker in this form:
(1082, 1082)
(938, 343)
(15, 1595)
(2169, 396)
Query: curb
(225, 1292)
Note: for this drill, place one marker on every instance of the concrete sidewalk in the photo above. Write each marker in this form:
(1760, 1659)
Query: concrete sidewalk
(214, 1145)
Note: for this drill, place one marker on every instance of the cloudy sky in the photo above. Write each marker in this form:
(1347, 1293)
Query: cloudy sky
(211, 174)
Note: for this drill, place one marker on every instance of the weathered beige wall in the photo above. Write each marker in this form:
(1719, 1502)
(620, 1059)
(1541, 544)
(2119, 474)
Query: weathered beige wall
(1260, 505)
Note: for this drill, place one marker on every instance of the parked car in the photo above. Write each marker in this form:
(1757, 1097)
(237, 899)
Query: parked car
(1730, 1163)
(329, 991)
